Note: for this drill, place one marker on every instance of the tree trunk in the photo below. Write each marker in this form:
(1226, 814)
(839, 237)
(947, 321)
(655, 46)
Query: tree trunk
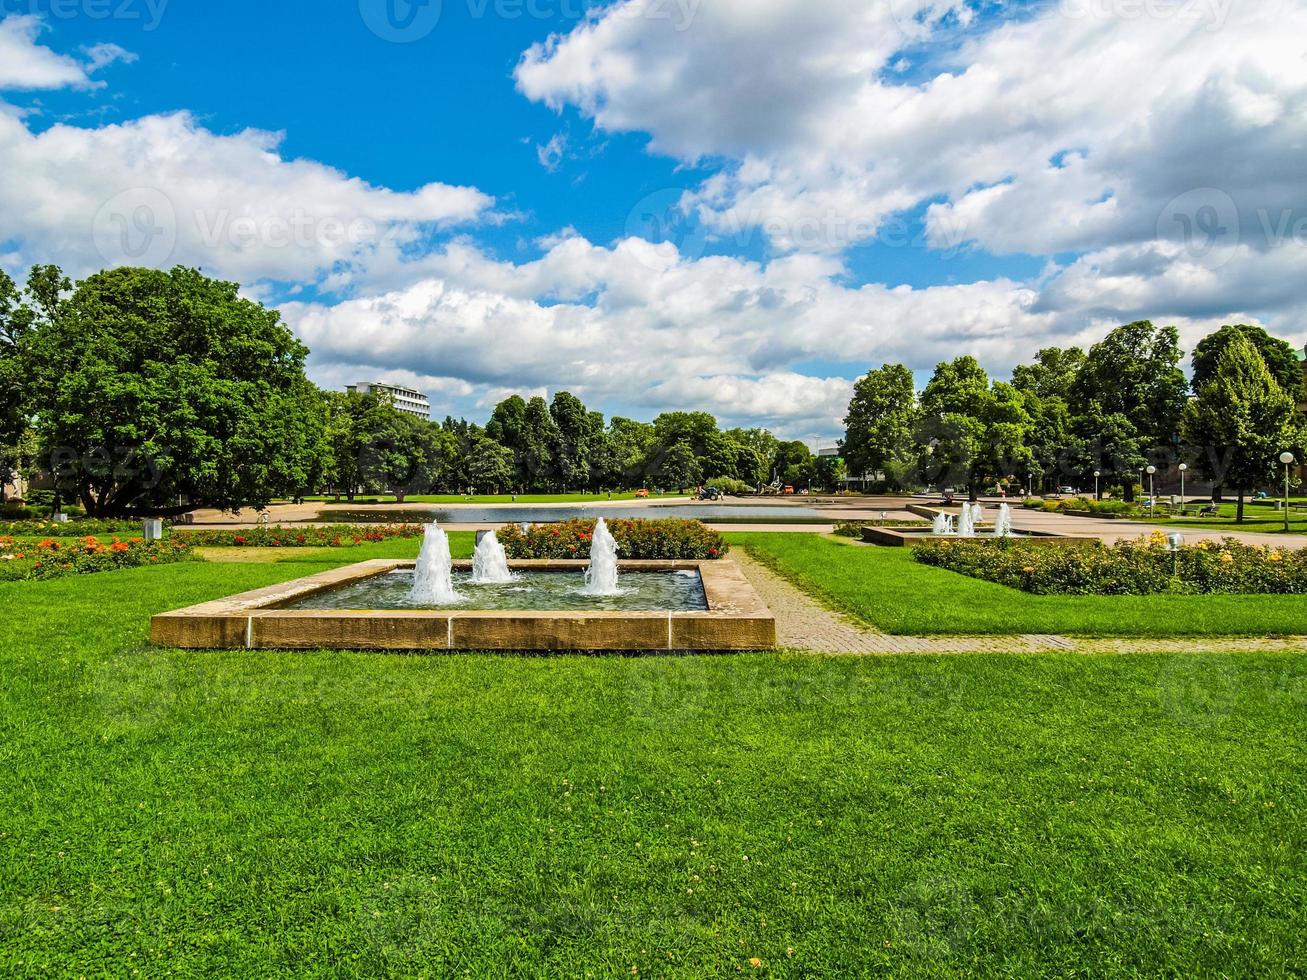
(1129, 491)
(1218, 494)
(399, 497)
(1239, 517)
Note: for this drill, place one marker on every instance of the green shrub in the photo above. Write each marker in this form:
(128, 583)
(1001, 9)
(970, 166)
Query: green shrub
(637, 540)
(1142, 567)
(730, 486)
(853, 529)
(316, 536)
(79, 528)
(55, 558)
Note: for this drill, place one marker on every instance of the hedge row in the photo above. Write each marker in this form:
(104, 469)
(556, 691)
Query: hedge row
(318, 536)
(665, 539)
(1143, 567)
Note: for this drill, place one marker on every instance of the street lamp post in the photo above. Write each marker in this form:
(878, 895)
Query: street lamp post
(1288, 460)
(1184, 468)
(1152, 494)
(1098, 493)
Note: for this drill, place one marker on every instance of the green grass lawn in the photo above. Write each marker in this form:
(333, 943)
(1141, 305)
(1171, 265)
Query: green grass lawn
(888, 589)
(1263, 520)
(350, 814)
(502, 498)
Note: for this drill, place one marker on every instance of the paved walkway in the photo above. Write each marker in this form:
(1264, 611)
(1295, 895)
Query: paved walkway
(802, 623)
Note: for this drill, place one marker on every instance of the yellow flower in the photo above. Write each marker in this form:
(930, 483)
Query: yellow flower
(1226, 558)
(1275, 556)
(756, 963)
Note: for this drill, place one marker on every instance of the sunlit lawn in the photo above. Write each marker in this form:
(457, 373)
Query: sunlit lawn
(342, 814)
(887, 589)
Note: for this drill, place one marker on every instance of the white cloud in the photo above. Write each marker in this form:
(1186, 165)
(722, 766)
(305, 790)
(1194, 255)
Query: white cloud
(163, 189)
(26, 65)
(1137, 102)
(102, 55)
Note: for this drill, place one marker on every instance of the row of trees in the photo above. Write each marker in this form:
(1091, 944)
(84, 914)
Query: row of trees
(141, 391)
(1114, 410)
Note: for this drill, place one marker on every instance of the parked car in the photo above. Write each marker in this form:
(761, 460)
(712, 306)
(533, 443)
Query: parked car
(788, 491)
(641, 494)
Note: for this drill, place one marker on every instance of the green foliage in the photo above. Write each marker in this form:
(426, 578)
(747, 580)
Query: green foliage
(299, 536)
(77, 528)
(971, 432)
(880, 422)
(637, 540)
(1280, 356)
(1243, 419)
(680, 467)
(729, 486)
(1128, 568)
(490, 465)
(888, 589)
(149, 386)
(1135, 372)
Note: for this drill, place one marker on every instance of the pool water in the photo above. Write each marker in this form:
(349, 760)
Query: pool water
(680, 591)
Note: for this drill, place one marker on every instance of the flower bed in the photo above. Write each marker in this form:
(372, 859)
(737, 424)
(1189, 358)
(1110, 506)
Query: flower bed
(637, 540)
(54, 557)
(320, 536)
(77, 528)
(1143, 567)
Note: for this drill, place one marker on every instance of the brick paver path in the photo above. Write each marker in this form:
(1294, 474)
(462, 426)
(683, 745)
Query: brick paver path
(802, 623)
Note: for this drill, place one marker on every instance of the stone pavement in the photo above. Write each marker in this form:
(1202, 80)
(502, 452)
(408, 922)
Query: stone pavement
(802, 623)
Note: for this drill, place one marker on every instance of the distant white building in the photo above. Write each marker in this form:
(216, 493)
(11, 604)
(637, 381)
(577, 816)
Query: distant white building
(405, 399)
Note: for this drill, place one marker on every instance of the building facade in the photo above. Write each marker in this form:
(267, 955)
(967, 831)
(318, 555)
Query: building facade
(405, 399)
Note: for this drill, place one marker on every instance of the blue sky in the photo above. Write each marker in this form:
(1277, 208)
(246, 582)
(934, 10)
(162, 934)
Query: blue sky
(735, 205)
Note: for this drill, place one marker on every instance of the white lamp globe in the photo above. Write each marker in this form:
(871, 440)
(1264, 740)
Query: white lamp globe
(1287, 459)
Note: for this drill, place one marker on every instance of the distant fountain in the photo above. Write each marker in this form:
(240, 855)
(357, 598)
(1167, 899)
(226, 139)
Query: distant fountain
(601, 578)
(490, 563)
(967, 522)
(1003, 522)
(943, 524)
(433, 579)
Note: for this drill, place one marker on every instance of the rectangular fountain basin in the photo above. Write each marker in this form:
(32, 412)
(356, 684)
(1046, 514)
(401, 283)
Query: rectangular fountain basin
(690, 606)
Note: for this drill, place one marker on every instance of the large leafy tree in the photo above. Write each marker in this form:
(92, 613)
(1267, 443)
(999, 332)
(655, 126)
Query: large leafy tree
(631, 445)
(1135, 373)
(880, 422)
(1046, 387)
(972, 432)
(22, 313)
(680, 467)
(1244, 419)
(1108, 444)
(577, 434)
(490, 465)
(152, 386)
(403, 454)
(1280, 356)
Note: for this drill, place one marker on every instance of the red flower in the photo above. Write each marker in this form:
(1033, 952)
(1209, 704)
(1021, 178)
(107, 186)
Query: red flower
(239, 540)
